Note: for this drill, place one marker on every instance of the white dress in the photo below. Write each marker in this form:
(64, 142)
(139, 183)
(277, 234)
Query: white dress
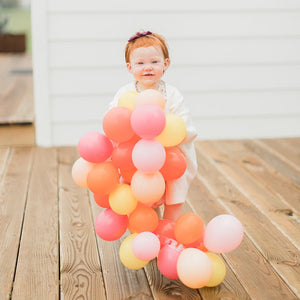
(176, 190)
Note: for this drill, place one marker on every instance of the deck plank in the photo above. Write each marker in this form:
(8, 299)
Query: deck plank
(37, 273)
(49, 249)
(274, 246)
(81, 276)
(12, 203)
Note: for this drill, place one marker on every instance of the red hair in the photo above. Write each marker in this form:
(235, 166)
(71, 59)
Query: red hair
(148, 40)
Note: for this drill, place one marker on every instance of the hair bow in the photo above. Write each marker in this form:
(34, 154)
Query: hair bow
(138, 35)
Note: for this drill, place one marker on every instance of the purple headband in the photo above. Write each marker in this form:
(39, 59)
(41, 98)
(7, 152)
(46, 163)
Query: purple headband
(138, 35)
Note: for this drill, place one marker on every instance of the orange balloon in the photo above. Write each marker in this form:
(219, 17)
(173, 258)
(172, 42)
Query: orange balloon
(103, 178)
(148, 187)
(143, 218)
(188, 228)
(102, 200)
(175, 164)
(116, 124)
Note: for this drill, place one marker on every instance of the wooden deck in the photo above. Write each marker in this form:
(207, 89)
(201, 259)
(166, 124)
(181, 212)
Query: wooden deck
(49, 249)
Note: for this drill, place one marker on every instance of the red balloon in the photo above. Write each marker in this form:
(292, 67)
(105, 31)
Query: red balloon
(102, 200)
(122, 155)
(116, 124)
(165, 231)
(103, 178)
(175, 164)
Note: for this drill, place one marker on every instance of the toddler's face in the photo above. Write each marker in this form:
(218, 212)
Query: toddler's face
(147, 65)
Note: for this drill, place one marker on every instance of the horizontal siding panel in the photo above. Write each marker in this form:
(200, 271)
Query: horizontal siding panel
(234, 128)
(241, 128)
(201, 105)
(174, 25)
(167, 5)
(212, 78)
(72, 54)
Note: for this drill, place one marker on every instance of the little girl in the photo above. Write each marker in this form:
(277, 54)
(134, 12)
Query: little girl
(147, 58)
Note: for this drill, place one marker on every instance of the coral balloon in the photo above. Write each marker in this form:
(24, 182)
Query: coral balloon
(148, 188)
(148, 155)
(127, 257)
(122, 155)
(165, 231)
(174, 166)
(103, 178)
(219, 270)
(127, 174)
(167, 260)
(194, 268)
(149, 96)
(110, 226)
(122, 200)
(188, 228)
(223, 234)
(80, 170)
(143, 218)
(174, 131)
(148, 120)
(127, 99)
(95, 147)
(116, 124)
(102, 200)
(145, 246)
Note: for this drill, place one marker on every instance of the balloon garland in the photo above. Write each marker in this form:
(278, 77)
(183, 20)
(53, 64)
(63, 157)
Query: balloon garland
(126, 169)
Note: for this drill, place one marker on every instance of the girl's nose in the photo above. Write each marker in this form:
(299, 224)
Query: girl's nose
(148, 66)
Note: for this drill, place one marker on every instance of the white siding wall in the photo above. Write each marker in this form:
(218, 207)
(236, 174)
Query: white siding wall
(236, 62)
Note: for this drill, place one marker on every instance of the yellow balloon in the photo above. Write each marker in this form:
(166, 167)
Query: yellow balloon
(127, 99)
(174, 131)
(219, 270)
(121, 200)
(127, 257)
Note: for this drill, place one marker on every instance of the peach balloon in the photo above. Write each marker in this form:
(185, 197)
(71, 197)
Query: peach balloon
(80, 171)
(194, 268)
(150, 96)
(148, 188)
(103, 178)
(122, 200)
(127, 99)
(174, 131)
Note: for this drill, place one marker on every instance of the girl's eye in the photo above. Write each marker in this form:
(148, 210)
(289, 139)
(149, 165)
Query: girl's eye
(140, 63)
(155, 62)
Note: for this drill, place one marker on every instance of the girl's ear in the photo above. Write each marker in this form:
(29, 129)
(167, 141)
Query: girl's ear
(129, 68)
(166, 64)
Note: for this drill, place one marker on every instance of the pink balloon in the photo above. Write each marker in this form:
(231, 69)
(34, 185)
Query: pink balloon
(145, 246)
(223, 234)
(167, 260)
(95, 147)
(148, 120)
(80, 171)
(110, 226)
(148, 155)
(147, 188)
